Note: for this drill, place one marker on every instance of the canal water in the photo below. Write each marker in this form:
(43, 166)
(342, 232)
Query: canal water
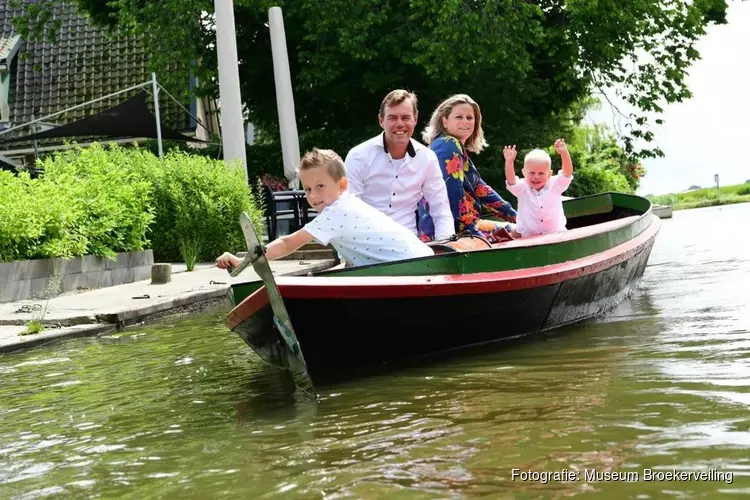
(186, 410)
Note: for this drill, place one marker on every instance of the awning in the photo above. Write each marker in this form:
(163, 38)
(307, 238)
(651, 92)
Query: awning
(130, 118)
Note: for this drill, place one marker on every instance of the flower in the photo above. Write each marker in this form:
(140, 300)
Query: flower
(482, 190)
(273, 183)
(453, 167)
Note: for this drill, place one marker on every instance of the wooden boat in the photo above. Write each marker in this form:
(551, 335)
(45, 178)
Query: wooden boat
(371, 315)
(662, 211)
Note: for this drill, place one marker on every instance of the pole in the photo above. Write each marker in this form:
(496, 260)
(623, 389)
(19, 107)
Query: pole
(232, 128)
(718, 191)
(156, 112)
(284, 97)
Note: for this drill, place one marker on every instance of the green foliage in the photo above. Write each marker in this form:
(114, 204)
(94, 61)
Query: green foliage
(532, 66)
(80, 205)
(103, 201)
(739, 193)
(197, 202)
(597, 179)
(109, 196)
(32, 327)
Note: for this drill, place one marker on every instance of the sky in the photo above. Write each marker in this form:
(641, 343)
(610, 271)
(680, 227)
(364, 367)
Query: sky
(709, 133)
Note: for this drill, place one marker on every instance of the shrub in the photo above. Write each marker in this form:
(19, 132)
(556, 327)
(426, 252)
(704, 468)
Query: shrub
(110, 199)
(102, 201)
(79, 205)
(595, 179)
(197, 202)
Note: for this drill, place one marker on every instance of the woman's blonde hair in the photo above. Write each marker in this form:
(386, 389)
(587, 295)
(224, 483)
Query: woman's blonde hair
(475, 143)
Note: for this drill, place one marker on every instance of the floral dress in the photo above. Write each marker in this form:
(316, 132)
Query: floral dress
(468, 194)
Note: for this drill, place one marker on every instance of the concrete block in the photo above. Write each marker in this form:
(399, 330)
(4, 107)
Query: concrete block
(72, 282)
(32, 278)
(10, 271)
(140, 259)
(92, 263)
(15, 290)
(142, 273)
(67, 266)
(119, 262)
(44, 288)
(31, 269)
(161, 274)
(120, 276)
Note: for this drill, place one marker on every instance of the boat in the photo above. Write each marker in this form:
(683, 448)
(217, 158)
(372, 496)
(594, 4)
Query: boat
(662, 211)
(346, 319)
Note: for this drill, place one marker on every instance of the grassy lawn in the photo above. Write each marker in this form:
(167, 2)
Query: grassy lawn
(707, 197)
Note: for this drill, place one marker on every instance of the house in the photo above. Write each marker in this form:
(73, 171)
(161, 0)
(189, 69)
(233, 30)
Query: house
(39, 78)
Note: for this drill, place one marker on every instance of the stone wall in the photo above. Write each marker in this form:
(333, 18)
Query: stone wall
(43, 278)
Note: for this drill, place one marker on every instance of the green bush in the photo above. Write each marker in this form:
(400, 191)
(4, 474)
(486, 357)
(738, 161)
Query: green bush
(110, 199)
(80, 205)
(595, 179)
(197, 202)
(101, 201)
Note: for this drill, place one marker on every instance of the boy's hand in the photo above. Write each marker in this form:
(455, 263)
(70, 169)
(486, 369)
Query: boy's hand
(560, 146)
(227, 260)
(509, 152)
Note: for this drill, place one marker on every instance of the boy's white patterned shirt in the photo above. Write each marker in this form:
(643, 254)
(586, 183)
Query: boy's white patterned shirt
(364, 235)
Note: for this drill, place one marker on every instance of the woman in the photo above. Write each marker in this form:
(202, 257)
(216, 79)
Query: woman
(455, 129)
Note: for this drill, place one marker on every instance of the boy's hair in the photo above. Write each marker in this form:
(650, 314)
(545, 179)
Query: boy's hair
(396, 97)
(537, 156)
(324, 158)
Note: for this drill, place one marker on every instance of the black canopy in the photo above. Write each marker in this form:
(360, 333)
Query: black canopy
(130, 118)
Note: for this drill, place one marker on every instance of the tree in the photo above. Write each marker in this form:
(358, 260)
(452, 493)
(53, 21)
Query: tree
(528, 63)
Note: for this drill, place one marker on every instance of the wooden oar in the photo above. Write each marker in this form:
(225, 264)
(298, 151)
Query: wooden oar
(257, 258)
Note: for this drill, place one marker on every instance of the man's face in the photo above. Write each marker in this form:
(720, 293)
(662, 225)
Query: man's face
(398, 123)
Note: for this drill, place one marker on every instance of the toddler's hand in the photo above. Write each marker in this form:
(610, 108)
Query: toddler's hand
(560, 146)
(509, 152)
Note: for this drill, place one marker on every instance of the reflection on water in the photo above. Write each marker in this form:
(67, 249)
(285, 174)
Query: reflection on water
(187, 410)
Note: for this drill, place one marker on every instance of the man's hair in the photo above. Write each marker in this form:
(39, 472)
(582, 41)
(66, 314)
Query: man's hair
(396, 97)
(324, 158)
(476, 142)
(537, 156)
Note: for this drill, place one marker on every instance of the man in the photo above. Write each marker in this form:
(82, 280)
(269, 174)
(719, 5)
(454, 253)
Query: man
(392, 172)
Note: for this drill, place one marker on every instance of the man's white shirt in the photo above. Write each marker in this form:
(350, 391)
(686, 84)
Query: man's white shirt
(540, 212)
(395, 186)
(364, 235)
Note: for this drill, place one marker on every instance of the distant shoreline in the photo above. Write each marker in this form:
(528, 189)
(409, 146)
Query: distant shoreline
(707, 197)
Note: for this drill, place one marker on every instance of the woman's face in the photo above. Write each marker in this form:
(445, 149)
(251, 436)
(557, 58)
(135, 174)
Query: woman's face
(460, 122)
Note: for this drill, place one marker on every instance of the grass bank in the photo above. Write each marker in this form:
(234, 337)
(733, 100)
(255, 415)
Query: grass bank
(739, 193)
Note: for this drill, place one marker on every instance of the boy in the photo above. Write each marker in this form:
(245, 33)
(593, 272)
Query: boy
(539, 193)
(360, 233)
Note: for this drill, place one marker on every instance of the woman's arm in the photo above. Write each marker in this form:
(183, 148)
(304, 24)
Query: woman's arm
(493, 202)
(451, 160)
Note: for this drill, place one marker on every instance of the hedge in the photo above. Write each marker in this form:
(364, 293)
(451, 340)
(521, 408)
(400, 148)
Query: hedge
(100, 201)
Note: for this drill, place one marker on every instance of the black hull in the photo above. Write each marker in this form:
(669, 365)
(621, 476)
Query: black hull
(340, 337)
